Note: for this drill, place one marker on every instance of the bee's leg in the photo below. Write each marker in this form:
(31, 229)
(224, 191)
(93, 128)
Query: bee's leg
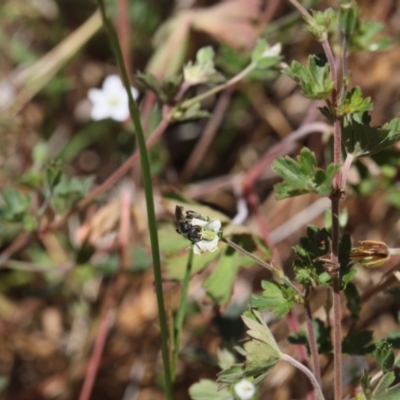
(197, 245)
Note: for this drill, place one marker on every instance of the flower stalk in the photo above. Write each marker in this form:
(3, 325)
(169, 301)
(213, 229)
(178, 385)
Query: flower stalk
(145, 164)
(307, 372)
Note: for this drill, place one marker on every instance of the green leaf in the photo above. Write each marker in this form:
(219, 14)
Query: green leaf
(231, 375)
(53, 174)
(176, 264)
(354, 103)
(262, 353)
(219, 283)
(165, 89)
(39, 153)
(314, 79)
(365, 37)
(348, 16)
(303, 176)
(365, 382)
(68, 191)
(384, 356)
(192, 112)
(207, 389)
(299, 337)
(319, 25)
(225, 358)
(265, 56)
(4, 380)
(203, 69)
(353, 300)
(309, 269)
(323, 336)
(15, 205)
(383, 391)
(361, 139)
(274, 297)
(358, 343)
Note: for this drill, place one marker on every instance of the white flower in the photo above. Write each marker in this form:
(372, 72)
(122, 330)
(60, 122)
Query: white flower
(245, 389)
(111, 101)
(203, 246)
(214, 225)
(273, 51)
(209, 235)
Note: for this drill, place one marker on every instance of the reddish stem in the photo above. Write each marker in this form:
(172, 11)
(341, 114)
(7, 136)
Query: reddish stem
(111, 297)
(123, 33)
(94, 361)
(292, 317)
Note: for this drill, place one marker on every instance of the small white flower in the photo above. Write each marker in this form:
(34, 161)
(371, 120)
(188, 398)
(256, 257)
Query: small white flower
(373, 47)
(198, 222)
(214, 225)
(203, 246)
(273, 51)
(245, 389)
(111, 101)
(209, 235)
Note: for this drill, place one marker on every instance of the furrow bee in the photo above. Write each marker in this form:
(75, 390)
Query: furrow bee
(184, 224)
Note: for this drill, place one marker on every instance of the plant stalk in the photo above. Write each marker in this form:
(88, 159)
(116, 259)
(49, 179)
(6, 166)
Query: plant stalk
(277, 273)
(145, 164)
(306, 15)
(180, 315)
(218, 88)
(312, 342)
(307, 372)
(337, 312)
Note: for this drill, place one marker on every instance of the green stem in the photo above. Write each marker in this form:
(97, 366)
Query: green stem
(277, 273)
(306, 371)
(345, 71)
(307, 16)
(149, 200)
(180, 315)
(222, 86)
(312, 340)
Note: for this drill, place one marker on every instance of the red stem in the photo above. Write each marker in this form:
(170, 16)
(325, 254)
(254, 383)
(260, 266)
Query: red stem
(335, 199)
(94, 361)
(111, 296)
(123, 33)
(337, 312)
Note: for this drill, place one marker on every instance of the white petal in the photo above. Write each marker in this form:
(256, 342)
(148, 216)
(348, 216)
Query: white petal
(198, 222)
(214, 225)
(273, 51)
(205, 245)
(99, 111)
(245, 389)
(135, 93)
(120, 112)
(96, 96)
(112, 84)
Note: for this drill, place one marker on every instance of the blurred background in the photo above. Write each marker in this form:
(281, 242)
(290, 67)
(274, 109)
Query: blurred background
(91, 274)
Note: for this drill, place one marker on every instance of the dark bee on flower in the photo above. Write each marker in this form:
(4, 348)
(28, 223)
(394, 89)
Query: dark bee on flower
(184, 224)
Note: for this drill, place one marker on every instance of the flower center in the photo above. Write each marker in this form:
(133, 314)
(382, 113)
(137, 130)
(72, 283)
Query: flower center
(113, 101)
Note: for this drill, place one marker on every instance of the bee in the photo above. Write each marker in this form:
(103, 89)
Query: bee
(184, 225)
